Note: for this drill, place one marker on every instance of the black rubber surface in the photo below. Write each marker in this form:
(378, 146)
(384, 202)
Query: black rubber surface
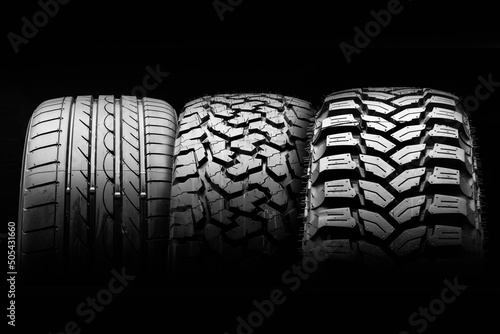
(95, 186)
(393, 181)
(237, 179)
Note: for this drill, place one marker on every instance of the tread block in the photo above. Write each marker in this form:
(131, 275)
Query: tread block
(221, 111)
(39, 241)
(268, 213)
(377, 142)
(339, 217)
(38, 158)
(334, 162)
(223, 216)
(235, 234)
(342, 105)
(248, 106)
(194, 134)
(294, 163)
(276, 229)
(213, 236)
(267, 151)
(446, 236)
(443, 131)
(379, 89)
(246, 165)
(243, 146)
(224, 157)
(246, 202)
(407, 179)
(341, 96)
(43, 140)
(248, 225)
(449, 176)
(40, 179)
(158, 160)
(447, 152)
(185, 166)
(215, 201)
(444, 204)
(340, 120)
(380, 95)
(224, 131)
(188, 124)
(405, 91)
(379, 107)
(216, 143)
(442, 100)
(408, 132)
(430, 91)
(339, 250)
(376, 165)
(443, 151)
(201, 112)
(408, 154)
(408, 114)
(181, 225)
(376, 224)
(337, 188)
(39, 217)
(408, 241)
(189, 202)
(40, 196)
(378, 123)
(335, 140)
(442, 175)
(407, 209)
(374, 256)
(375, 193)
(279, 196)
(406, 100)
(277, 167)
(444, 114)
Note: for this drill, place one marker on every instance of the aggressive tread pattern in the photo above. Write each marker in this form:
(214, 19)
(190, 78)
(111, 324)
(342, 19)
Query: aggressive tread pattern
(237, 179)
(404, 169)
(96, 185)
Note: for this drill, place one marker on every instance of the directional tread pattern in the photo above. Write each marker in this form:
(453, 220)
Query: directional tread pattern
(96, 185)
(237, 179)
(396, 173)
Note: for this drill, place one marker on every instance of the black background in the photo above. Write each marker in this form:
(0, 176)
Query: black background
(92, 48)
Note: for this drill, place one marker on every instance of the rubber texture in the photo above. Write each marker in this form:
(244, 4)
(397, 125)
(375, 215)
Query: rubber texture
(237, 181)
(393, 181)
(95, 187)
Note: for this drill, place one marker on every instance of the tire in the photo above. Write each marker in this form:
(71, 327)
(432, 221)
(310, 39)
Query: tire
(95, 186)
(237, 178)
(393, 182)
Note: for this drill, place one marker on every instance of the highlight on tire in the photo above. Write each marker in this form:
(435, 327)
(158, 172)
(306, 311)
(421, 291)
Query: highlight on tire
(95, 186)
(394, 181)
(237, 181)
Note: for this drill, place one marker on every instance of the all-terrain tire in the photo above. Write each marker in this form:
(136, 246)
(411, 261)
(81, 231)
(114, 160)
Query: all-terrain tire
(393, 181)
(237, 178)
(95, 186)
